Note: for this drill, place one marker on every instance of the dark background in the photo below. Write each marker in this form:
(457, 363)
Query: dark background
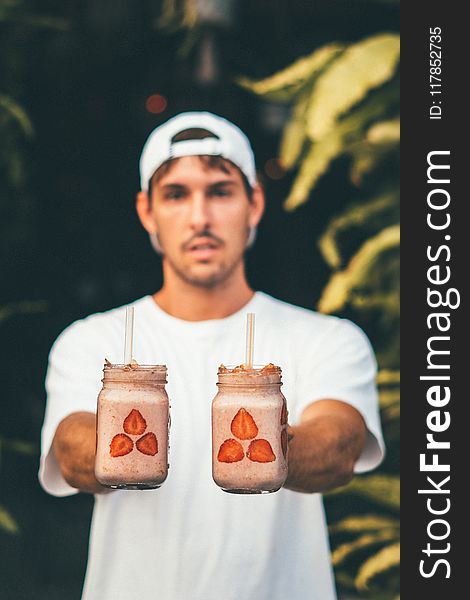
(70, 237)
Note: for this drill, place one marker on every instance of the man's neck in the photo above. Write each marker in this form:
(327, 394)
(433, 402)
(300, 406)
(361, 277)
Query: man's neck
(194, 303)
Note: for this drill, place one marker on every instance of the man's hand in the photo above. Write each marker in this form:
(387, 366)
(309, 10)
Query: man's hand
(74, 446)
(325, 446)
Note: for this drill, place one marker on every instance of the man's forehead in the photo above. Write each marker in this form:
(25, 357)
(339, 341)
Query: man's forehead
(187, 168)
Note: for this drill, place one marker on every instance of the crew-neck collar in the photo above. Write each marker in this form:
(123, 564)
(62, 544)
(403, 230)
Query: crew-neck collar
(203, 327)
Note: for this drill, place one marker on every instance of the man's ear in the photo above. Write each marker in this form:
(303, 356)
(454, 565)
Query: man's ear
(257, 204)
(144, 211)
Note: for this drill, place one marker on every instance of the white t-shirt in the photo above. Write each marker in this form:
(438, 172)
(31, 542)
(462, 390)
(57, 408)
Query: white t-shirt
(189, 540)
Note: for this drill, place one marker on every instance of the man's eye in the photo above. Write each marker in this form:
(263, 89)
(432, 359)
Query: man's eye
(174, 195)
(220, 193)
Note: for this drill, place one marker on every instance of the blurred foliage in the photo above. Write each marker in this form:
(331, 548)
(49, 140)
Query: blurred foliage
(22, 308)
(16, 132)
(337, 94)
(16, 129)
(344, 103)
(16, 135)
(193, 18)
(22, 12)
(8, 523)
(178, 14)
(20, 23)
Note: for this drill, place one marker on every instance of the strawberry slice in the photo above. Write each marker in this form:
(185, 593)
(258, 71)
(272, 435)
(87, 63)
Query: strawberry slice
(230, 451)
(284, 442)
(120, 445)
(284, 413)
(243, 425)
(260, 451)
(134, 423)
(147, 444)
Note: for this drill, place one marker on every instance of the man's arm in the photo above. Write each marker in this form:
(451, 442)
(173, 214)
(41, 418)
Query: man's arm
(325, 445)
(74, 446)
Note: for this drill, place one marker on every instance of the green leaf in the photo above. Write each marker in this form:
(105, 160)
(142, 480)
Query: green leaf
(367, 159)
(383, 489)
(384, 132)
(19, 446)
(7, 522)
(18, 113)
(285, 84)
(384, 560)
(360, 68)
(190, 14)
(387, 377)
(389, 397)
(315, 163)
(344, 551)
(24, 307)
(356, 216)
(344, 580)
(379, 103)
(380, 143)
(347, 132)
(294, 134)
(177, 14)
(391, 413)
(337, 291)
(361, 523)
(388, 303)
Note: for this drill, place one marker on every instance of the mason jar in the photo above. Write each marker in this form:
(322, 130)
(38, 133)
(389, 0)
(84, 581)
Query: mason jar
(132, 426)
(249, 430)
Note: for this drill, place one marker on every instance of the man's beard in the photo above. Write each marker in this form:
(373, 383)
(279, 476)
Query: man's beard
(205, 281)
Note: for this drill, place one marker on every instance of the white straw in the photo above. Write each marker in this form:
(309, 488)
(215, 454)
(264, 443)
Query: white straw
(250, 339)
(129, 335)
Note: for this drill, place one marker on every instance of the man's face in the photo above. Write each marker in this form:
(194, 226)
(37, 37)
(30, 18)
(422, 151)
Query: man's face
(202, 216)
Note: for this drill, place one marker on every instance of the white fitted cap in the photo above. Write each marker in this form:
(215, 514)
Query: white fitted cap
(231, 143)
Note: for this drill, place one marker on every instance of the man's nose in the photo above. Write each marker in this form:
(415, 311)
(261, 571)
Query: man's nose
(200, 213)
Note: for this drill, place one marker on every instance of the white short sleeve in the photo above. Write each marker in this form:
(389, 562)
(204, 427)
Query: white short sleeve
(73, 382)
(342, 366)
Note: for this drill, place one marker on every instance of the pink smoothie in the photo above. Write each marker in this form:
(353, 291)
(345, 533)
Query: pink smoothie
(249, 419)
(132, 431)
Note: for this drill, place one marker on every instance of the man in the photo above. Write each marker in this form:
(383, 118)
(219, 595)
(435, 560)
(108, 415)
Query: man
(200, 202)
